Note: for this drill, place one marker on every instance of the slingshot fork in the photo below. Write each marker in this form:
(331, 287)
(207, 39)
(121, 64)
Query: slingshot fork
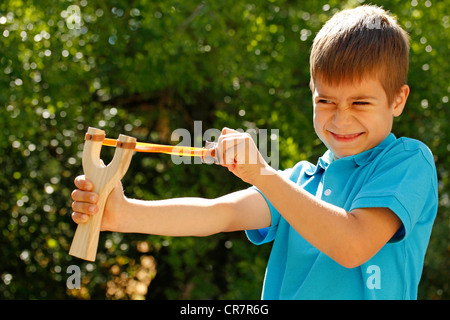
(105, 178)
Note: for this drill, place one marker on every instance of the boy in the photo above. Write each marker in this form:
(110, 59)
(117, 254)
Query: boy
(354, 226)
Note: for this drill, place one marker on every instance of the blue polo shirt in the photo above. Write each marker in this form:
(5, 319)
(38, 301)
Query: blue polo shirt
(398, 174)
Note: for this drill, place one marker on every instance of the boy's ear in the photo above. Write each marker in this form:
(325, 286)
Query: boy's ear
(400, 100)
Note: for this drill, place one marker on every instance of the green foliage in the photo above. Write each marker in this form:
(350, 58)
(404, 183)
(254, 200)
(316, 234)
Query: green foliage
(146, 68)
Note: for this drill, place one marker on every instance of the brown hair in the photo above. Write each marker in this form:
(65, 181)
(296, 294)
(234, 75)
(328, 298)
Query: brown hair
(360, 42)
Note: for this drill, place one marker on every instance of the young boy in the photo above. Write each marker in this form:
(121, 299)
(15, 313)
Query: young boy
(354, 226)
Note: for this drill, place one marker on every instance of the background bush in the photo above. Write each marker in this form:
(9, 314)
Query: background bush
(146, 68)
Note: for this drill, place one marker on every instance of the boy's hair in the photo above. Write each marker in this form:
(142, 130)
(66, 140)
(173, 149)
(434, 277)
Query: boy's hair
(360, 42)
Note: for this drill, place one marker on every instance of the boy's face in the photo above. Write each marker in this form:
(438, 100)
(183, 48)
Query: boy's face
(351, 118)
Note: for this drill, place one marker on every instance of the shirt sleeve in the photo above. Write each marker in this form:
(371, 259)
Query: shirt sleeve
(403, 181)
(260, 236)
(265, 235)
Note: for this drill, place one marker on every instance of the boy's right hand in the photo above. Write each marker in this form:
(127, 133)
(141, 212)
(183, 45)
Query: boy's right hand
(85, 204)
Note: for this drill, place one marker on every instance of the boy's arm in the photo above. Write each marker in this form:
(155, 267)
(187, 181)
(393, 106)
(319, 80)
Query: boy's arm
(236, 211)
(240, 210)
(349, 238)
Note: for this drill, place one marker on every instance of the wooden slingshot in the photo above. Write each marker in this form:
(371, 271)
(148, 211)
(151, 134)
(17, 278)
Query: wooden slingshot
(104, 178)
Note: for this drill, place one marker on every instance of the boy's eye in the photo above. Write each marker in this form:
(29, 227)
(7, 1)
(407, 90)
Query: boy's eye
(325, 101)
(361, 103)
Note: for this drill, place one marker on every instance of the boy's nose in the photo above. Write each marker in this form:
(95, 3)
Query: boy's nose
(342, 117)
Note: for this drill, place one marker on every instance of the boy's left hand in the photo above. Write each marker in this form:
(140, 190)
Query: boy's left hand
(237, 151)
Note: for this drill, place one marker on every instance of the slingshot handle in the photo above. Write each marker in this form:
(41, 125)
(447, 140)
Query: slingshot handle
(105, 178)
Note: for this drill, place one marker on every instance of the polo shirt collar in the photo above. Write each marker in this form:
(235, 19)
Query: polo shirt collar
(359, 159)
(322, 164)
(362, 158)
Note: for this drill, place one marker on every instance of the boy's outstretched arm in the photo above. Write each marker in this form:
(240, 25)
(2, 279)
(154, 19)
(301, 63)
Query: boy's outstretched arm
(240, 210)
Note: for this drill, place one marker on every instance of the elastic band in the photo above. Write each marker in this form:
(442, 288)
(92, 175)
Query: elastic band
(159, 148)
(126, 145)
(94, 137)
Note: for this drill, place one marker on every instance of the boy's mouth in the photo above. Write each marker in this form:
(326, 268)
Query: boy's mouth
(346, 137)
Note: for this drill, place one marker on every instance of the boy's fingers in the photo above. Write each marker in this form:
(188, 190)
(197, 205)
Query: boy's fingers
(226, 130)
(84, 196)
(230, 151)
(82, 183)
(232, 146)
(84, 207)
(79, 217)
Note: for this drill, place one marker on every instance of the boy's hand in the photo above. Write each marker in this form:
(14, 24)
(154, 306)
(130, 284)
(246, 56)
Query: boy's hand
(85, 204)
(237, 151)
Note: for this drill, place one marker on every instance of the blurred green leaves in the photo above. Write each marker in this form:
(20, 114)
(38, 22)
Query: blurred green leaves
(146, 68)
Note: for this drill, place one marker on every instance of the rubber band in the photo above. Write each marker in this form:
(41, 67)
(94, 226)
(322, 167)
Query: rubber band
(125, 145)
(94, 137)
(165, 149)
